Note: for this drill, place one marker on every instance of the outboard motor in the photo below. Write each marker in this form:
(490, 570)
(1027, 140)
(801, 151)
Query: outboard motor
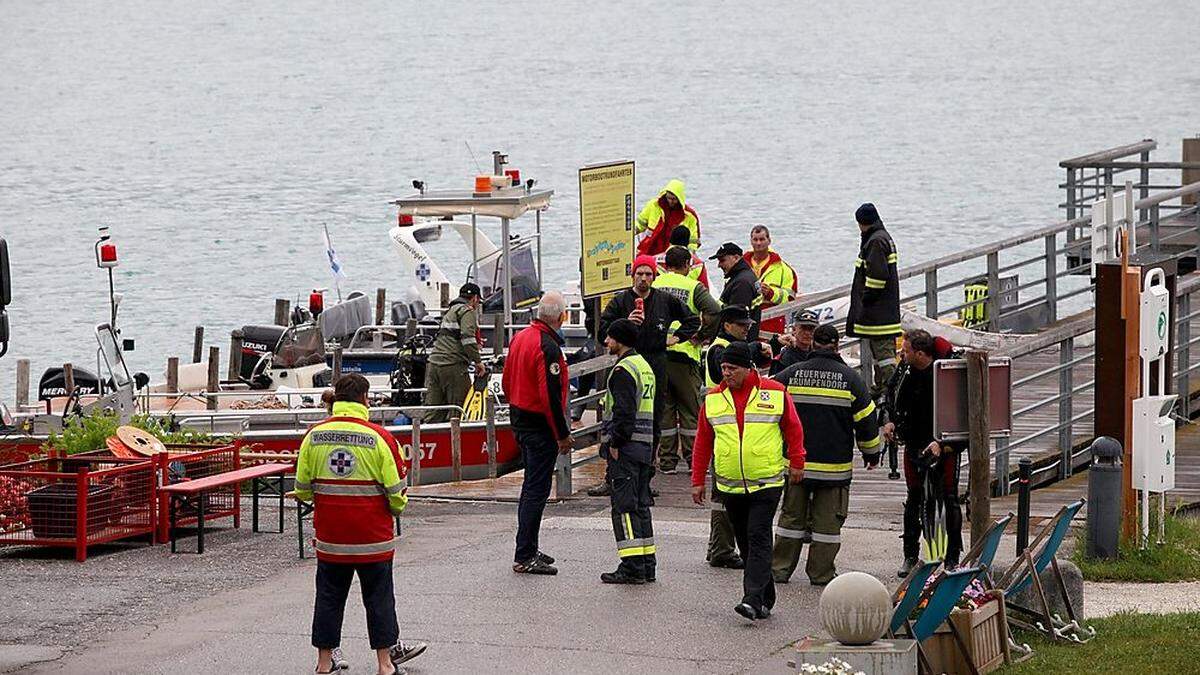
(257, 341)
(54, 383)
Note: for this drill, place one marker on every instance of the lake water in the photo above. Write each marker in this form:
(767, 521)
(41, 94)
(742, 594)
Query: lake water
(217, 138)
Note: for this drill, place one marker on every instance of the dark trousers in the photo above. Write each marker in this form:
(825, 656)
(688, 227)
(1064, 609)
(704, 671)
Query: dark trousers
(539, 451)
(658, 363)
(752, 516)
(634, 531)
(945, 493)
(378, 594)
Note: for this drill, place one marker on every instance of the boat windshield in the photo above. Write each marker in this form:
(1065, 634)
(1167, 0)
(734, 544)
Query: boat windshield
(526, 287)
(300, 346)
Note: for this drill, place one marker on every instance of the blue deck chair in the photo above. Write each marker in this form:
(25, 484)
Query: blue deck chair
(913, 587)
(942, 597)
(983, 553)
(1026, 571)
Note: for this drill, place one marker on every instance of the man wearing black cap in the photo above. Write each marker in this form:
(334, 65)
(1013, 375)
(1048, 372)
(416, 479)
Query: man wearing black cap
(797, 345)
(874, 312)
(627, 443)
(455, 350)
(751, 433)
(836, 409)
(741, 283)
(682, 236)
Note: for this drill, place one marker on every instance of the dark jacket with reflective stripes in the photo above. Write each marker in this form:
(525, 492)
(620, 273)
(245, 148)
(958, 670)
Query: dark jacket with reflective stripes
(618, 430)
(875, 293)
(836, 410)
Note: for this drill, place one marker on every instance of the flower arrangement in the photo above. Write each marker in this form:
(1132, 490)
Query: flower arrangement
(833, 666)
(975, 595)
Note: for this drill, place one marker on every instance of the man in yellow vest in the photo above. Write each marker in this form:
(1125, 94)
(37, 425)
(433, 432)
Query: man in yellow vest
(681, 384)
(627, 442)
(681, 236)
(750, 431)
(776, 279)
(353, 472)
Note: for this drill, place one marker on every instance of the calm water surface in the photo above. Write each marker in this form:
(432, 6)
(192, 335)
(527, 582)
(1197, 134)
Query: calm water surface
(216, 138)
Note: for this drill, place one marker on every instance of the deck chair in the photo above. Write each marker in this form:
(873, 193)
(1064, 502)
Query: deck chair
(941, 598)
(912, 588)
(983, 552)
(1026, 571)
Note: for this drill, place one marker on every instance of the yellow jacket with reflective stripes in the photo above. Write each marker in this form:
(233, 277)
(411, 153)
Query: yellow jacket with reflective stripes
(753, 459)
(836, 410)
(875, 291)
(628, 420)
(353, 472)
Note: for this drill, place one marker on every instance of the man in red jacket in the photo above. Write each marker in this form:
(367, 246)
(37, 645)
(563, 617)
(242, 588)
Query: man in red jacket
(535, 384)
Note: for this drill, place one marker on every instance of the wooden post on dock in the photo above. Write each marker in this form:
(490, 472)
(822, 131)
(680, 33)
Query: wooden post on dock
(22, 383)
(380, 306)
(337, 363)
(214, 375)
(455, 449)
(281, 311)
(198, 345)
(980, 481)
(69, 378)
(1191, 153)
(173, 374)
(236, 338)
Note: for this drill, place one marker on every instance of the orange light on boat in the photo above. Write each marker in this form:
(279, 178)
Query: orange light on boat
(404, 219)
(483, 183)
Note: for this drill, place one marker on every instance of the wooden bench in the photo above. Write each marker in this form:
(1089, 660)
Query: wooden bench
(258, 475)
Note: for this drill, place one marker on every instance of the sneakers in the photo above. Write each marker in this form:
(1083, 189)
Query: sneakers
(339, 660)
(621, 577)
(909, 564)
(403, 652)
(668, 469)
(545, 558)
(537, 565)
(733, 562)
(744, 609)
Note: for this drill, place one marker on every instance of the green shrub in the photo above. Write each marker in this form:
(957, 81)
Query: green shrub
(91, 432)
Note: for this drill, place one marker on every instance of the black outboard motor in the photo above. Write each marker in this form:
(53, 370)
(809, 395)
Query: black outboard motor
(257, 341)
(54, 383)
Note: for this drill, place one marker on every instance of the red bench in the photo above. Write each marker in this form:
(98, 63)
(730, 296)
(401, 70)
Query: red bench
(259, 476)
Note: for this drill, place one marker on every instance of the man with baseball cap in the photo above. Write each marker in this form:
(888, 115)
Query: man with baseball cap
(627, 443)
(741, 284)
(455, 350)
(797, 344)
(756, 443)
(837, 411)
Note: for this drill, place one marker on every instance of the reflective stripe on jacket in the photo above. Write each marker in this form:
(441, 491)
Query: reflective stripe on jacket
(875, 292)
(457, 339)
(836, 409)
(780, 278)
(353, 471)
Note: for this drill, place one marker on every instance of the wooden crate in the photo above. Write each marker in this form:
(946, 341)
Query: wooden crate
(986, 634)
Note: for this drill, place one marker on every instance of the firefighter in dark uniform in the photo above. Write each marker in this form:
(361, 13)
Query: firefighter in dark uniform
(627, 442)
(837, 411)
(455, 350)
(874, 312)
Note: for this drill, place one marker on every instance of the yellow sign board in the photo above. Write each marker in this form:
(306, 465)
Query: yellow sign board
(605, 227)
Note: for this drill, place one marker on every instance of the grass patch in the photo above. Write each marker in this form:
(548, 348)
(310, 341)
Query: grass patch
(1125, 643)
(1176, 560)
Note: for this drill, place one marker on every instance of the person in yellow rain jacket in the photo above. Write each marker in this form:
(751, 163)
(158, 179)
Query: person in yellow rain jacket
(660, 216)
(353, 472)
(776, 278)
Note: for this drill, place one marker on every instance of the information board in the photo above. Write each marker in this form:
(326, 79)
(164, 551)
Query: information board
(605, 227)
(951, 422)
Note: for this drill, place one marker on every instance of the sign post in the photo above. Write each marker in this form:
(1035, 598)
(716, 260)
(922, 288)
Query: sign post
(1153, 428)
(605, 227)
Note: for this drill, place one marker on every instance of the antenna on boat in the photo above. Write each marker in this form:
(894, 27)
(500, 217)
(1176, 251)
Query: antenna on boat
(478, 168)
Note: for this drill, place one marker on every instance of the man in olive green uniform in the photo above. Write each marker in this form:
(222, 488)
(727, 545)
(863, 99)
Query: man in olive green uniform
(681, 386)
(455, 350)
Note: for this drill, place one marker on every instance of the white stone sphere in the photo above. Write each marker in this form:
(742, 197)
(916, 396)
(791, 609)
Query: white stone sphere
(855, 608)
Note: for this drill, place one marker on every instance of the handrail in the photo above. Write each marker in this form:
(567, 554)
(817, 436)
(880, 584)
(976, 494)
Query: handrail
(1082, 161)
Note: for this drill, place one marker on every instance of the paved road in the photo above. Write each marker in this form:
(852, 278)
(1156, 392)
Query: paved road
(245, 606)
